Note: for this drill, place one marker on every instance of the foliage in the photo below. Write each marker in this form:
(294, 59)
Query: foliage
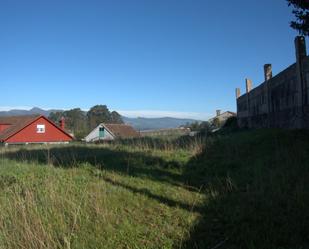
(55, 116)
(230, 125)
(80, 123)
(216, 123)
(301, 12)
(100, 114)
(115, 118)
(203, 127)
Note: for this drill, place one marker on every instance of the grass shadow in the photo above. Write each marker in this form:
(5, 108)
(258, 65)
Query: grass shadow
(146, 192)
(137, 164)
(255, 183)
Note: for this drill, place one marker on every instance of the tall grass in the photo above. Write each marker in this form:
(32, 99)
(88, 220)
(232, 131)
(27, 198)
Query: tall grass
(191, 144)
(106, 196)
(245, 189)
(256, 182)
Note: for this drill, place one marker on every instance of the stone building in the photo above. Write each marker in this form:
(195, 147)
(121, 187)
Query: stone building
(222, 117)
(280, 101)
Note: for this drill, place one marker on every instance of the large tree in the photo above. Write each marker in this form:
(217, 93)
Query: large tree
(81, 123)
(116, 118)
(301, 12)
(75, 121)
(100, 114)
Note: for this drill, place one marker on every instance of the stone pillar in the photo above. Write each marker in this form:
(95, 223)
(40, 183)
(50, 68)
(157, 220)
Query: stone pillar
(300, 47)
(218, 112)
(301, 95)
(237, 93)
(248, 89)
(248, 85)
(268, 74)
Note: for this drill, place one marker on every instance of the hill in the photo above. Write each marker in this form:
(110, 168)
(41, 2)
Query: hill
(34, 110)
(137, 123)
(157, 123)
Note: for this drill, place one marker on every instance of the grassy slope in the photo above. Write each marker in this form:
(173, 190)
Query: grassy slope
(104, 199)
(254, 195)
(258, 187)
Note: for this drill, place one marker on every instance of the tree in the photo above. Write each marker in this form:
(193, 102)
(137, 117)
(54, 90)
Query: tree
(195, 126)
(216, 123)
(301, 12)
(75, 121)
(97, 114)
(100, 114)
(81, 123)
(55, 116)
(116, 118)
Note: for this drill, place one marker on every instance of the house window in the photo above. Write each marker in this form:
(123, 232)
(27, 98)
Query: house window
(101, 132)
(40, 128)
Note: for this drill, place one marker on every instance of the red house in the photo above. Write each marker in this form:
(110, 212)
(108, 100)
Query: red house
(31, 129)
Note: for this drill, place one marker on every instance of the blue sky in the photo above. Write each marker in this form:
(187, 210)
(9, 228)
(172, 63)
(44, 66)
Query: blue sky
(140, 57)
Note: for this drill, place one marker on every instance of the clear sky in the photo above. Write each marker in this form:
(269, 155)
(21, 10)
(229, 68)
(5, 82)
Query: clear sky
(140, 57)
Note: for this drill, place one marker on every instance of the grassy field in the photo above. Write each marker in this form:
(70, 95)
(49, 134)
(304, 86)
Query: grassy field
(95, 197)
(237, 190)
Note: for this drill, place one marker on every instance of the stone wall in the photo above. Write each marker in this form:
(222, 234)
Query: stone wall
(280, 101)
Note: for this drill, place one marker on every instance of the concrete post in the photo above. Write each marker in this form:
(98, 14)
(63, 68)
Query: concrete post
(248, 89)
(248, 85)
(268, 74)
(301, 53)
(300, 47)
(237, 93)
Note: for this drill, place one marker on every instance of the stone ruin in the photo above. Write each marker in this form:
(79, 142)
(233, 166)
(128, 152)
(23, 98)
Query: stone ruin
(281, 101)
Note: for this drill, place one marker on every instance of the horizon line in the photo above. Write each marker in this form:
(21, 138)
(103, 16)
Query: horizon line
(128, 113)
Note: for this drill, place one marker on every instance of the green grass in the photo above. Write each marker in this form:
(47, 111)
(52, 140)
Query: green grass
(95, 197)
(257, 182)
(244, 189)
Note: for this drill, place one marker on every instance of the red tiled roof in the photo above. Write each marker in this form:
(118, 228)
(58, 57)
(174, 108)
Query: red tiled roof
(122, 130)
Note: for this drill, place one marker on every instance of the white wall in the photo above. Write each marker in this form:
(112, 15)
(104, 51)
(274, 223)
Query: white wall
(94, 135)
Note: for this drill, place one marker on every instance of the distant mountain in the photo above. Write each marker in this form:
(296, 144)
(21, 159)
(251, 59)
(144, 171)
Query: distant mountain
(33, 111)
(156, 123)
(137, 123)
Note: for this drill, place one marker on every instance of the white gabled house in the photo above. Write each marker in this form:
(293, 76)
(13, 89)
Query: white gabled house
(111, 132)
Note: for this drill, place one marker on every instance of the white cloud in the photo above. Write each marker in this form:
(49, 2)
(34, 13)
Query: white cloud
(159, 114)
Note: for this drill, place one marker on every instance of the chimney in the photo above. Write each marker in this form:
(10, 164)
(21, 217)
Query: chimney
(218, 112)
(237, 92)
(248, 85)
(268, 74)
(62, 123)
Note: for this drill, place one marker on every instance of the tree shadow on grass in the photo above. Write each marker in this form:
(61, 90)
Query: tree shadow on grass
(255, 184)
(137, 164)
(146, 192)
(131, 163)
(256, 192)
